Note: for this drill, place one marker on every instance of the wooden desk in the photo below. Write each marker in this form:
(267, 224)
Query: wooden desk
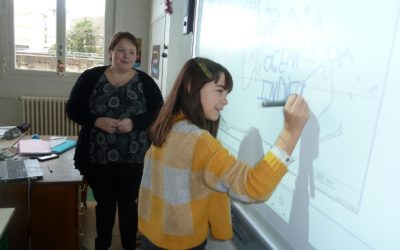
(55, 204)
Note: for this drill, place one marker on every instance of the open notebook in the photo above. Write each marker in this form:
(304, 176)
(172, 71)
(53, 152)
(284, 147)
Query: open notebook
(14, 170)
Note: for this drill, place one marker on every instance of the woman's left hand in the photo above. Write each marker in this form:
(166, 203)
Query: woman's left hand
(125, 125)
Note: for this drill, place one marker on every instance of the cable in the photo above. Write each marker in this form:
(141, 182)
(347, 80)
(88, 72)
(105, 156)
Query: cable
(30, 185)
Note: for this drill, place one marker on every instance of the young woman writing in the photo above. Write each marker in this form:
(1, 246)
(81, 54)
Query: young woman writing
(189, 176)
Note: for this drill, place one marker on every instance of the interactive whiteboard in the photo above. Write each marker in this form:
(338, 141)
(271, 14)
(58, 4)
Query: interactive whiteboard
(344, 58)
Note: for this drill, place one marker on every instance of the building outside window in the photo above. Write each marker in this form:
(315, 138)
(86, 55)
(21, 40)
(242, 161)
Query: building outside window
(58, 35)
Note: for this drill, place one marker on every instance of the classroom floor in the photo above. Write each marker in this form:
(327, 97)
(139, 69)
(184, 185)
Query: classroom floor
(88, 227)
(88, 230)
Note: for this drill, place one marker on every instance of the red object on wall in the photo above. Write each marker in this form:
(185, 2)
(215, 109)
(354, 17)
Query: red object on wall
(168, 7)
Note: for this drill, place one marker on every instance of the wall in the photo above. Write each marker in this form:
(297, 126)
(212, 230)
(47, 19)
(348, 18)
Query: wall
(133, 16)
(180, 46)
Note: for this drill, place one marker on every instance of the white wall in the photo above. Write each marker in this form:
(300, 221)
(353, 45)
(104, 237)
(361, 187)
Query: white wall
(134, 16)
(180, 46)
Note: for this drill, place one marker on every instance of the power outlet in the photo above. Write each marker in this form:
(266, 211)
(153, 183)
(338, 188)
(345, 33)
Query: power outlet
(185, 25)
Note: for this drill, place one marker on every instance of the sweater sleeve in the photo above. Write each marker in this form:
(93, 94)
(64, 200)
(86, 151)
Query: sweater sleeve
(154, 101)
(224, 173)
(78, 103)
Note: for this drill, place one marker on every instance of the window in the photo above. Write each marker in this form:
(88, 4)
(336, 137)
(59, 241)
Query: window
(54, 36)
(85, 34)
(80, 44)
(35, 35)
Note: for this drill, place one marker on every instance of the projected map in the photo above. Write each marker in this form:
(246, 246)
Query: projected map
(277, 48)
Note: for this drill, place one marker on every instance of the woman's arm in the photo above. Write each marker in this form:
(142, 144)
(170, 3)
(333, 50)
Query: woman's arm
(296, 114)
(78, 103)
(225, 173)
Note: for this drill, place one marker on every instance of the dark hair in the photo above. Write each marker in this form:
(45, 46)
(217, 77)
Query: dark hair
(185, 97)
(122, 35)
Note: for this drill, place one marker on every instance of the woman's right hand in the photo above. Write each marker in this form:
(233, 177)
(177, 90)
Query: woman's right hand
(296, 112)
(107, 124)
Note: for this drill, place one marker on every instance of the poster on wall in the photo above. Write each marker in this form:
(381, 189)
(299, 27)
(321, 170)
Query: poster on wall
(155, 61)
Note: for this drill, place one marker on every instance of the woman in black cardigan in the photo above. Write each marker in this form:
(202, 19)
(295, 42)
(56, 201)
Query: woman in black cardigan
(114, 105)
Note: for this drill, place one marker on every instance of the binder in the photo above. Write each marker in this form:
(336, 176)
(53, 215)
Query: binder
(62, 147)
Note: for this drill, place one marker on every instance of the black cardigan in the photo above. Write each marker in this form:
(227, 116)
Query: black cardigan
(78, 109)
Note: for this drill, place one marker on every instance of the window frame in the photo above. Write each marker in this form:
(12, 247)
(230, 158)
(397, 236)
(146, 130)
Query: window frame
(8, 71)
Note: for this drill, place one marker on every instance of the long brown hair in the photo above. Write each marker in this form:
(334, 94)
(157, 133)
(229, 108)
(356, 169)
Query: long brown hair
(185, 97)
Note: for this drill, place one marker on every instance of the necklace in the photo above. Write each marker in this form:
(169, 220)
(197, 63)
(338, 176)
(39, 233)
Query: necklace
(119, 79)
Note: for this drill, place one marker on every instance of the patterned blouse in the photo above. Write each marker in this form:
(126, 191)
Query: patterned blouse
(117, 102)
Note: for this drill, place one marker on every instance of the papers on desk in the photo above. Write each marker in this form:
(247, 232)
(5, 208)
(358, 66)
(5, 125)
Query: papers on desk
(7, 147)
(34, 147)
(37, 147)
(9, 143)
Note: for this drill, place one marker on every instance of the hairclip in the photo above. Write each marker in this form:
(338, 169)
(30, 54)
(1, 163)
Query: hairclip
(204, 69)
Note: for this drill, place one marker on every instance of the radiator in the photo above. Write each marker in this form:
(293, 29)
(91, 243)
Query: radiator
(47, 116)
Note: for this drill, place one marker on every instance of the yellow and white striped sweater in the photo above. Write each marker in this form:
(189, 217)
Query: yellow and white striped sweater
(186, 183)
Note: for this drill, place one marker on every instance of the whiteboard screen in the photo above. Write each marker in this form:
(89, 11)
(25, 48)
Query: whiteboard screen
(344, 58)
